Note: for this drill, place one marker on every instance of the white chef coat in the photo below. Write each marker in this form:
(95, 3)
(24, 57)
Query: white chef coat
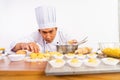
(60, 38)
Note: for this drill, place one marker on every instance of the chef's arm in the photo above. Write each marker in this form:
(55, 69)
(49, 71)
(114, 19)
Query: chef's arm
(17, 47)
(31, 46)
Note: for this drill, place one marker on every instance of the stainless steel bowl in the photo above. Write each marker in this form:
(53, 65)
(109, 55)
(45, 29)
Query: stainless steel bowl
(64, 49)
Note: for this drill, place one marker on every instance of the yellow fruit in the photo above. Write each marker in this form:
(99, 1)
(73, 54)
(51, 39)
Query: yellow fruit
(112, 52)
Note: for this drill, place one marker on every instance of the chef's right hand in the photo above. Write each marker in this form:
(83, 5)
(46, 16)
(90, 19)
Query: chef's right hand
(32, 46)
(73, 41)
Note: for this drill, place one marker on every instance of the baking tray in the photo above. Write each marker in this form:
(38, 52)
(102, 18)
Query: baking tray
(83, 69)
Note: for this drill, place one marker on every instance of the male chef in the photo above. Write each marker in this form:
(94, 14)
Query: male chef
(47, 36)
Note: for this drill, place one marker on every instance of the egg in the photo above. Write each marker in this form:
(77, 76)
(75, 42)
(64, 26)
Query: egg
(69, 55)
(92, 62)
(54, 53)
(36, 57)
(58, 60)
(92, 55)
(57, 63)
(74, 62)
(80, 56)
(110, 61)
(40, 56)
(58, 56)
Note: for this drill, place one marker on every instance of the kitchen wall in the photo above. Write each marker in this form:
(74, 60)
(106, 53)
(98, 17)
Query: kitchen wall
(98, 19)
(119, 17)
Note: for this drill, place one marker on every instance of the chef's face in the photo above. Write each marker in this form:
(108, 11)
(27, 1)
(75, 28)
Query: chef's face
(48, 34)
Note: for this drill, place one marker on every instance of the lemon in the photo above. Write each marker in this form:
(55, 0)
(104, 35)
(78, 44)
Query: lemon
(112, 52)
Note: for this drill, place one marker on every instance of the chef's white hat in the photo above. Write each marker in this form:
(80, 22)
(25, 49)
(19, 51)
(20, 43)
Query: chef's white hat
(46, 17)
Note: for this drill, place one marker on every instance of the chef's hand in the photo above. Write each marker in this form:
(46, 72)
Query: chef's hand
(72, 41)
(32, 46)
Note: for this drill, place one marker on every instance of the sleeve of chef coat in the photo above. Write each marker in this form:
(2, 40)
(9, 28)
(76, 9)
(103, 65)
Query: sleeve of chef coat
(34, 37)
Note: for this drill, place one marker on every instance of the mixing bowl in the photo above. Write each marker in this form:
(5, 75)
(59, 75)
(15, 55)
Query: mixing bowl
(64, 49)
